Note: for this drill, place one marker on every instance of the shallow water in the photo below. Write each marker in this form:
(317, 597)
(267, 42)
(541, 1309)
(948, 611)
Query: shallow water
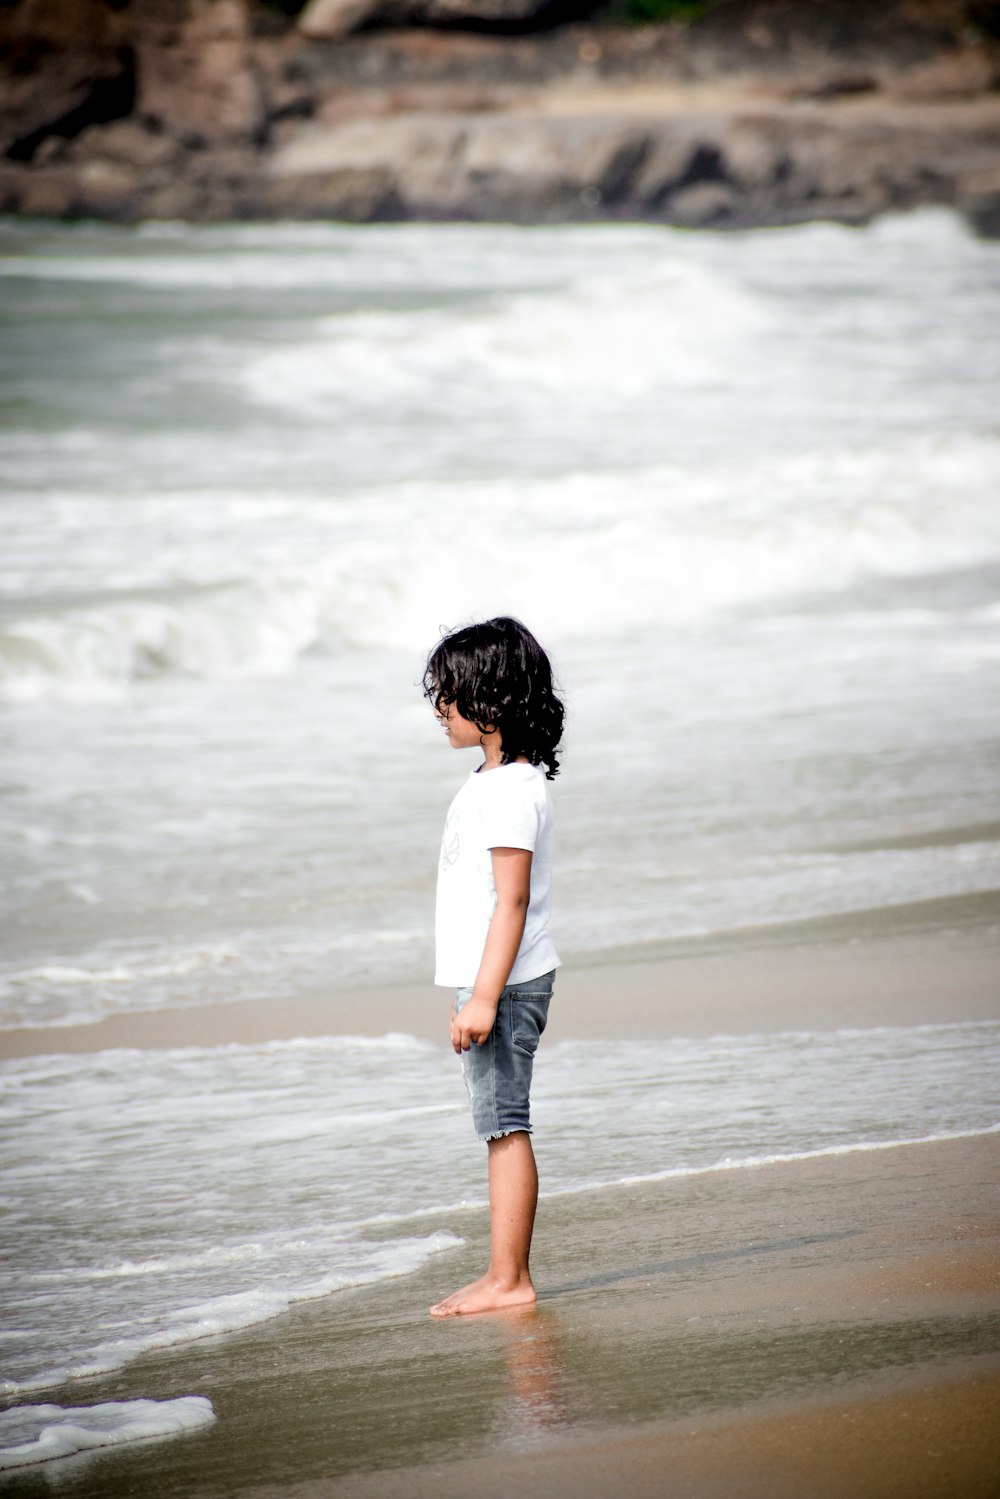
(158, 1197)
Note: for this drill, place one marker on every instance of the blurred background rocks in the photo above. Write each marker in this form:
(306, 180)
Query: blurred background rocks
(695, 112)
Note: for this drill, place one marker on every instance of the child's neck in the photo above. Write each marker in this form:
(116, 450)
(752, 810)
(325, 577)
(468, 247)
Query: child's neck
(493, 752)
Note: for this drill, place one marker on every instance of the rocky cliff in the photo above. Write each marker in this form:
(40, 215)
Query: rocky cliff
(752, 112)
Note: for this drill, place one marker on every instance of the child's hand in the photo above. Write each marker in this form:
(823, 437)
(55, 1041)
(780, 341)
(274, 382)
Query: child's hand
(472, 1024)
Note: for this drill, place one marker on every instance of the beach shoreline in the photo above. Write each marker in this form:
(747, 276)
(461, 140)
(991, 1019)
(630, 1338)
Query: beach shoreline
(731, 1330)
(929, 962)
(825, 1323)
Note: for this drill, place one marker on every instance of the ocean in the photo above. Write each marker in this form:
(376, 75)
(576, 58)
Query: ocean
(744, 487)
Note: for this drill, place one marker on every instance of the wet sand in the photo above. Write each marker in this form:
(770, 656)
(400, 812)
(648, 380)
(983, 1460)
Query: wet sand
(816, 1327)
(912, 1442)
(826, 1327)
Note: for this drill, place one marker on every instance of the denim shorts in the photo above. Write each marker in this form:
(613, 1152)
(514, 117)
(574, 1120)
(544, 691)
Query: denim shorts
(498, 1073)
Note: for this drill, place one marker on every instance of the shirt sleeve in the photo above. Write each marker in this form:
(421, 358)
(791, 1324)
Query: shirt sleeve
(511, 815)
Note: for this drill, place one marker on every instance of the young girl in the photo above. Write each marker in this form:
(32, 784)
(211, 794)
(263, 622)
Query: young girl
(491, 689)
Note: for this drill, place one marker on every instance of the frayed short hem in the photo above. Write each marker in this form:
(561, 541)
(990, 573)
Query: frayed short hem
(501, 1134)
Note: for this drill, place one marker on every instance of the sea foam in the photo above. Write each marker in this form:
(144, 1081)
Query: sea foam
(40, 1433)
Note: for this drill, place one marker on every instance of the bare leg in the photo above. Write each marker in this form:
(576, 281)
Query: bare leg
(513, 1198)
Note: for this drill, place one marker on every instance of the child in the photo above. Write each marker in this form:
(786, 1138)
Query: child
(491, 689)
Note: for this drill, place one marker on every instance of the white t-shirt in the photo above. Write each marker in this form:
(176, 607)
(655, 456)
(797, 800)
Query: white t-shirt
(507, 807)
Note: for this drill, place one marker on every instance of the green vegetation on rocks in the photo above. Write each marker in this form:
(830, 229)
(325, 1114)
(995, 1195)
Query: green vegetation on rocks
(659, 12)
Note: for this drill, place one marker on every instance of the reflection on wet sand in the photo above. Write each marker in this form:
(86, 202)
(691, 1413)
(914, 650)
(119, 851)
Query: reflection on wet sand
(535, 1359)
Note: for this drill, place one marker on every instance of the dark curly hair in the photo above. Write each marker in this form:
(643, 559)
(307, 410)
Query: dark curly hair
(498, 677)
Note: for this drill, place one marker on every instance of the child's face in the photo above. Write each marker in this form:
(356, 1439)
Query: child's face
(462, 734)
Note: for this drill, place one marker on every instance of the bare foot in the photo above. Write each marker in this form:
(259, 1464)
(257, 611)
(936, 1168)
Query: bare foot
(487, 1294)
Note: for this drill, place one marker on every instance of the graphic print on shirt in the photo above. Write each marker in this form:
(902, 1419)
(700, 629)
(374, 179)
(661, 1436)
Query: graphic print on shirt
(450, 840)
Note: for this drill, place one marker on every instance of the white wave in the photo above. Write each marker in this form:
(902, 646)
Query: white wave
(923, 228)
(254, 629)
(242, 1309)
(778, 1158)
(110, 982)
(38, 1433)
(221, 272)
(590, 340)
(131, 976)
(286, 257)
(585, 553)
(161, 1264)
(128, 975)
(60, 974)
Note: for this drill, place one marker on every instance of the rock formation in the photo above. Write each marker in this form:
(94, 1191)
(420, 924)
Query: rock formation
(330, 20)
(762, 112)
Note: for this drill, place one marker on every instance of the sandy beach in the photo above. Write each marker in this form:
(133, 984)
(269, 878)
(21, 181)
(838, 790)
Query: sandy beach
(828, 1325)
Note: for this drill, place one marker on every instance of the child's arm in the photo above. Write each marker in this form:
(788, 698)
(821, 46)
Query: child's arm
(512, 881)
